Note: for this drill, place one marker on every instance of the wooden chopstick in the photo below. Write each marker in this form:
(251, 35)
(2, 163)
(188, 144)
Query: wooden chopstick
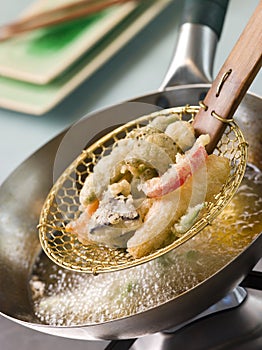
(54, 16)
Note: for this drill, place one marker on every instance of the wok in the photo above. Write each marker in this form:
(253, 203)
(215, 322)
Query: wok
(23, 193)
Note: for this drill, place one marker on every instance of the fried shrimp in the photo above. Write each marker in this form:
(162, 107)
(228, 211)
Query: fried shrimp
(177, 174)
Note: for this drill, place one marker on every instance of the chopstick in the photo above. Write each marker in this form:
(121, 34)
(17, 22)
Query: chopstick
(67, 12)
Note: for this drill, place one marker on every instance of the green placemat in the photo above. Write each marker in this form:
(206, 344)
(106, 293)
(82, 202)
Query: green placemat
(38, 99)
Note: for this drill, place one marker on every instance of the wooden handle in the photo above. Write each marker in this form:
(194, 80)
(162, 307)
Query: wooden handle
(232, 82)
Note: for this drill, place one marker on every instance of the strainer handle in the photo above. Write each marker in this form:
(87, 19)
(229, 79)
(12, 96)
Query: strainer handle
(232, 81)
(200, 29)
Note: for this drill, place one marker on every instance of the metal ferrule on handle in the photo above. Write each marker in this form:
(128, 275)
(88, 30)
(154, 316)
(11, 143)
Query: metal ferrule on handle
(193, 58)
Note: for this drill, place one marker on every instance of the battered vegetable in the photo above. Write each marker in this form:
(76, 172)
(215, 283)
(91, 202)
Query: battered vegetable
(150, 189)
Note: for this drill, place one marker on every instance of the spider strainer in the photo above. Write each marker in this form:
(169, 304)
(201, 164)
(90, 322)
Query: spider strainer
(62, 203)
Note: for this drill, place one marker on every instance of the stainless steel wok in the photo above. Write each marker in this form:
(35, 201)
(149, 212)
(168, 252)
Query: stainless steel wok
(22, 195)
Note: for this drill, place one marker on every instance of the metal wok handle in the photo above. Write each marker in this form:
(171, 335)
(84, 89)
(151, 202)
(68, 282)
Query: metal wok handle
(200, 30)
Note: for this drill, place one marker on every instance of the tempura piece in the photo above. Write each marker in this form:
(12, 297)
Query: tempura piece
(177, 174)
(136, 196)
(182, 133)
(167, 210)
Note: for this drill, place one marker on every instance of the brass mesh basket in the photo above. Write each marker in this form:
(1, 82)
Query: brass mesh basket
(62, 203)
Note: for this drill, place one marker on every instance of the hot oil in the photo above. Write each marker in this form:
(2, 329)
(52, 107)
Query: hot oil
(66, 298)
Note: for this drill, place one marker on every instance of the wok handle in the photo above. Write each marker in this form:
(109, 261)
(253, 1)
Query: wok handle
(210, 13)
(201, 26)
(232, 81)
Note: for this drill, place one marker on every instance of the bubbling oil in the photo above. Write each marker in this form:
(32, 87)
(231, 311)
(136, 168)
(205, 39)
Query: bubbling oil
(65, 298)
